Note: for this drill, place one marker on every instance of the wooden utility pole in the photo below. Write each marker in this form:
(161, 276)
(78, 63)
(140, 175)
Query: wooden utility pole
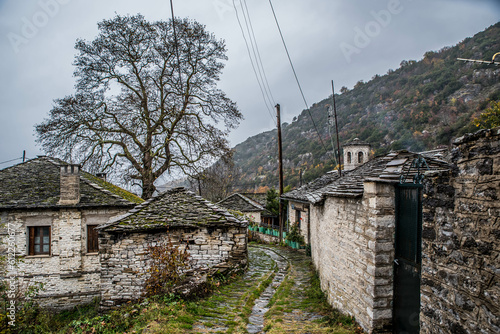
(199, 185)
(337, 130)
(280, 168)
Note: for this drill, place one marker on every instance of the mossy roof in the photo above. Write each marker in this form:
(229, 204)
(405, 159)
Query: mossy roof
(174, 208)
(36, 184)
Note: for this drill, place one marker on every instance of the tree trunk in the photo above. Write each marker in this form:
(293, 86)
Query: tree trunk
(148, 188)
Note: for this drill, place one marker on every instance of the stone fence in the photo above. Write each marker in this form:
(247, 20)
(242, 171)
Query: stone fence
(460, 289)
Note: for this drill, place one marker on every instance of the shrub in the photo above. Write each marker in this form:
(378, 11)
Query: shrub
(294, 234)
(168, 266)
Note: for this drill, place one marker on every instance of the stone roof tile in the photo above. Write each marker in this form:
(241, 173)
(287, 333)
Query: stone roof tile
(239, 202)
(388, 168)
(36, 184)
(304, 192)
(176, 207)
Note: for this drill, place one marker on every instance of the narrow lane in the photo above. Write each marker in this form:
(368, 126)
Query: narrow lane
(279, 293)
(256, 319)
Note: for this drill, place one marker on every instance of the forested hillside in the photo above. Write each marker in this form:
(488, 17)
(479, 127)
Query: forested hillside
(419, 106)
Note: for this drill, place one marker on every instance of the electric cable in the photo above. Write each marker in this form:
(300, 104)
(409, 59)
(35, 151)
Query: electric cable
(256, 52)
(297, 80)
(4, 162)
(253, 66)
(176, 44)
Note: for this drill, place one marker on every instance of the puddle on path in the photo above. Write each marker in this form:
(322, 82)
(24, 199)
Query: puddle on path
(256, 319)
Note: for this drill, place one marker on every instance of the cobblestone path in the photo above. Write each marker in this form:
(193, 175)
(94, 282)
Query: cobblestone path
(275, 295)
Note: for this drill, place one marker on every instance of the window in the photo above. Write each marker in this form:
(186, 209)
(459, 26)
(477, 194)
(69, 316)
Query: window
(360, 157)
(298, 217)
(348, 157)
(39, 240)
(92, 239)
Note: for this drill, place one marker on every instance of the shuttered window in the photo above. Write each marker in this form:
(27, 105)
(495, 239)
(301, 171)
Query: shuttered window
(39, 240)
(92, 239)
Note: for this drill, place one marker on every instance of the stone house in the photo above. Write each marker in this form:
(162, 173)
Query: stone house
(215, 240)
(299, 202)
(407, 244)
(252, 206)
(351, 234)
(51, 209)
(356, 153)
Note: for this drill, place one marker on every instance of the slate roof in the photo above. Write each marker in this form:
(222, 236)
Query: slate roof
(247, 202)
(301, 193)
(241, 203)
(36, 184)
(176, 207)
(388, 168)
(356, 142)
(257, 197)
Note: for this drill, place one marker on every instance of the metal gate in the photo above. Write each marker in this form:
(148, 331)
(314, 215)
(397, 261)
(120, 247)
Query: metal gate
(408, 258)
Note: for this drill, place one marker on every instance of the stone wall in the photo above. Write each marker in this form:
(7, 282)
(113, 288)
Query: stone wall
(460, 290)
(253, 217)
(352, 246)
(293, 207)
(263, 238)
(69, 275)
(124, 257)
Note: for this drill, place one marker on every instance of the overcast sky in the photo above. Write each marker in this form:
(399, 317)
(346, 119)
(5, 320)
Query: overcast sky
(346, 41)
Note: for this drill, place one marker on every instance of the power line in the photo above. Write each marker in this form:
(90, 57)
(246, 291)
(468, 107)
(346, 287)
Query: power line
(176, 44)
(297, 79)
(255, 48)
(4, 162)
(253, 66)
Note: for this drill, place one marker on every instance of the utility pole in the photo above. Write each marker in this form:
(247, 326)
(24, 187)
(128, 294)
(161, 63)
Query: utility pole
(199, 185)
(337, 130)
(280, 168)
(24, 155)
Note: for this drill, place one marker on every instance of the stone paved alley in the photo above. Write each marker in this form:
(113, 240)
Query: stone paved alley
(278, 294)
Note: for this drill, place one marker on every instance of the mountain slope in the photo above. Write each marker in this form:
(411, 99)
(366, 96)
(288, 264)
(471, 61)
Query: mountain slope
(417, 107)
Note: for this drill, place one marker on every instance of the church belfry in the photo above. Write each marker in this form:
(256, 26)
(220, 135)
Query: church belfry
(356, 153)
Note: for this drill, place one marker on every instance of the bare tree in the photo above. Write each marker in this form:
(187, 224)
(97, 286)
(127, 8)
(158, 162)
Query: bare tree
(217, 181)
(143, 106)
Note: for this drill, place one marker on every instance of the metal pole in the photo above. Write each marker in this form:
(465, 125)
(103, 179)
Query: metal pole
(337, 130)
(24, 155)
(280, 167)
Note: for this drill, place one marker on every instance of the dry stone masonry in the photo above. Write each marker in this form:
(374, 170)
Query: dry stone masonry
(460, 290)
(352, 226)
(215, 240)
(47, 193)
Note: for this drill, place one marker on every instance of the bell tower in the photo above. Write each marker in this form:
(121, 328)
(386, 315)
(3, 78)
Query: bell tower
(356, 153)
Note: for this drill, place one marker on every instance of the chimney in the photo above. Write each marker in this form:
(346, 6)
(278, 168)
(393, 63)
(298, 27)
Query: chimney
(102, 176)
(70, 185)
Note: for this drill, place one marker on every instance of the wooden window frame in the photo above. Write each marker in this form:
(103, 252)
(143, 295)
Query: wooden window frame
(298, 217)
(92, 239)
(32, 232)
